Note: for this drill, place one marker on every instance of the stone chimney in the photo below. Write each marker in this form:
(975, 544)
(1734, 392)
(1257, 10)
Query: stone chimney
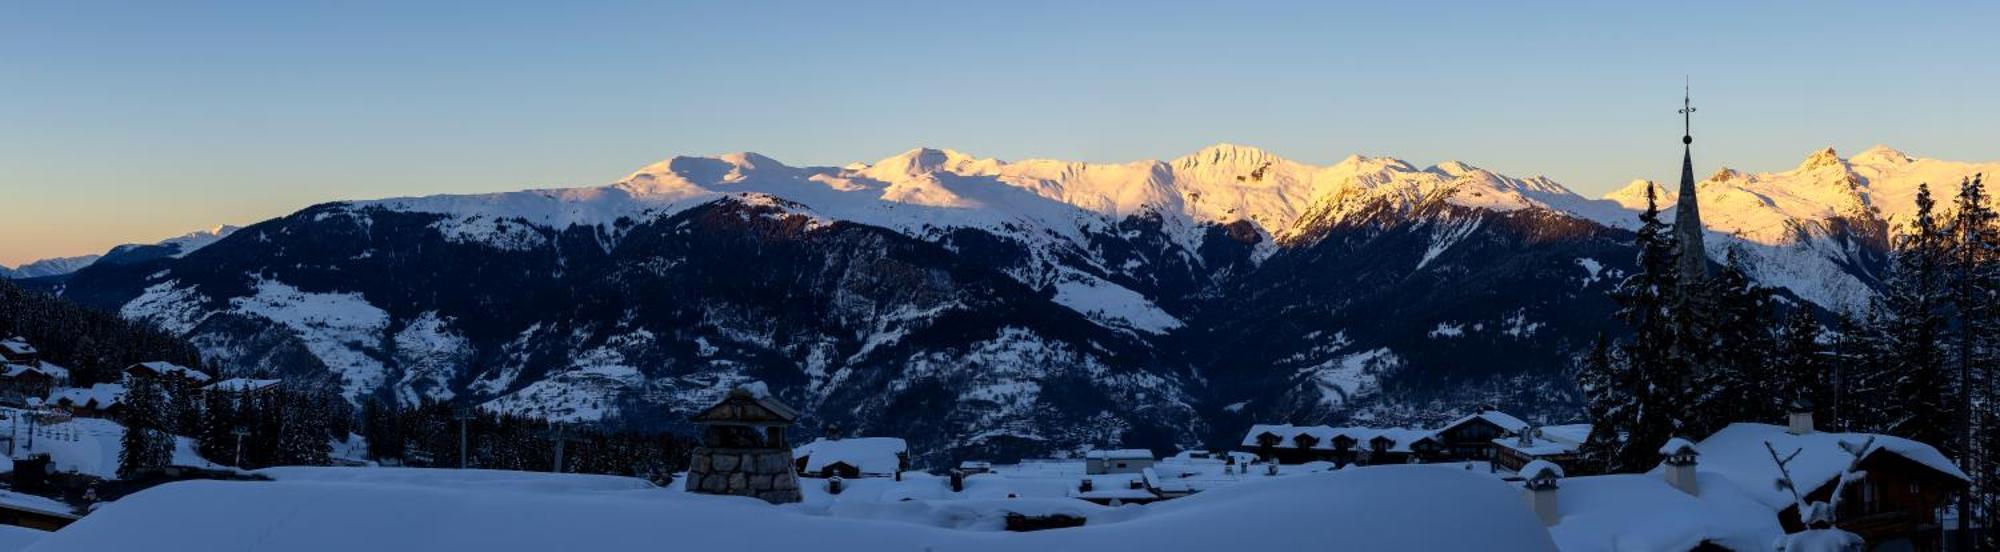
(1540, 477)
(1800, 411)
(1679, 465)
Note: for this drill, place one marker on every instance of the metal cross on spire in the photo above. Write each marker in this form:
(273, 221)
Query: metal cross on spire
(1687, 115)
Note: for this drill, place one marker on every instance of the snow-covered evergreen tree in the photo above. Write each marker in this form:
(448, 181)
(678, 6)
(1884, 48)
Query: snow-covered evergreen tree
(1912, 363)
(1800, 366)
(1656, 379)
(1729, 345)
(147, 444)
(1972, 268)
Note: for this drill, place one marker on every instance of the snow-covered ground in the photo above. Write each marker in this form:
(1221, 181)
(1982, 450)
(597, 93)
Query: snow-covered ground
(86, 445)
(347, 509)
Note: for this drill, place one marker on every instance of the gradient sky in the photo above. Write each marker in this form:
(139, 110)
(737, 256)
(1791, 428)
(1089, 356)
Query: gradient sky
(123, 122)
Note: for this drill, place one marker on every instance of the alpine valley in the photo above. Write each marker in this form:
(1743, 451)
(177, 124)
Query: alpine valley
(980, 307)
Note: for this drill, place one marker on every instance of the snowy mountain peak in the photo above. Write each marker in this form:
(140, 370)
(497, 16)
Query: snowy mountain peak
(1880, 155)
(929, 160)
(1227, 155)
(1824, 158)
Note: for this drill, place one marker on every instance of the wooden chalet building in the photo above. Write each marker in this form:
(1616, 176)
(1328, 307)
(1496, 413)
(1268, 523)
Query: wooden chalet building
(163, 371)
(16, 350)
(1471, 437)
(1555, 444)
(104, 400)
(31, 379)
(34, 512)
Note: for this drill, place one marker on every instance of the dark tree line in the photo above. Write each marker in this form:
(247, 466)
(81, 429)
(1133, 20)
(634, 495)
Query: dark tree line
(94, 345)
(427, 434)
(1919, 362)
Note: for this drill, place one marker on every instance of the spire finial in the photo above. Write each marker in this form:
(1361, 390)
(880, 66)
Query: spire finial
(1687, 115)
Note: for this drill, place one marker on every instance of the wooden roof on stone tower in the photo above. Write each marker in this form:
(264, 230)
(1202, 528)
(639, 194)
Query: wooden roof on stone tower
(745, 406)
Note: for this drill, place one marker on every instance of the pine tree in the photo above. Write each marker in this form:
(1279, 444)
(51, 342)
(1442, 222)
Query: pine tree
(1972, 268)
(216, 438)
(1731, 340)
(1912, 365)
(1800, 367)
(1656, 378)
(1605, 385)
(147, 444)
(302, 431)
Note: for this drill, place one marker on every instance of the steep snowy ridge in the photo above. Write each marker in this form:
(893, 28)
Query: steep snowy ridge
(1799, 229)
(48, 267)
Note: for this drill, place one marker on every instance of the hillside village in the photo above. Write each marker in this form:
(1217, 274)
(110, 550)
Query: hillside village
(1716, 492)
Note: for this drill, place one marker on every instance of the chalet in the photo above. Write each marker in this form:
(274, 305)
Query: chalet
(32, 379)
(1906, 485)
(161, 370)
(16, 350)
(1721, 493)
(1556, 444)
(1098, 462)
(34, 512)
(104, 400)
(853, 457)
(1288, 444)
(1471, 437)
(242, 387)
(743, 448)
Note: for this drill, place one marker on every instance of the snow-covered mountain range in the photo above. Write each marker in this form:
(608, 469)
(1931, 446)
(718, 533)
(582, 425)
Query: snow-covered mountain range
(983, 306)
(124, 254)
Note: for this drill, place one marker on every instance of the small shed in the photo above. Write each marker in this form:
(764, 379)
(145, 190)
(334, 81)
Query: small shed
(743, 450)
(1117, 461)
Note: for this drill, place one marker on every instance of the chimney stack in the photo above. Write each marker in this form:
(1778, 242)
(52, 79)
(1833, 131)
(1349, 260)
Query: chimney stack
(1801, 414)
(1679, 463)
(1540, 478)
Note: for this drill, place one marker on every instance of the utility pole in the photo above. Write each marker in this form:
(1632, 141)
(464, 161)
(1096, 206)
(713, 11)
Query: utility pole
(556, 431)
(239, 432)
(463, 414)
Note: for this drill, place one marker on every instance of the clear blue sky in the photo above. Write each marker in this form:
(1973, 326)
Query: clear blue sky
(134, 121)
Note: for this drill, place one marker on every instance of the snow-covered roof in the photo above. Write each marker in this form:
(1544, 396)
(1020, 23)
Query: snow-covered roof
(1401, 437)
(240, 385)
(1380, 508)
(40, 505)
(1574, 434)
(1119, 454)
(44, 367)
(1737, 453)
(15, 538)
(1547, 440)
(1642, 512)
(1506, 421)
(870, 455)
(102, 394)
(168, 368)
(16, 346)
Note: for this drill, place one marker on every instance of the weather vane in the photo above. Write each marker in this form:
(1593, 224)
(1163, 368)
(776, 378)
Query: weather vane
(1687, 115)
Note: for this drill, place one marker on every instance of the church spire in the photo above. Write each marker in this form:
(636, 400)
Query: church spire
(1692, 261)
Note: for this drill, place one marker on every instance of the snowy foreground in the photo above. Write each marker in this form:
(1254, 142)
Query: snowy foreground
(347, 509)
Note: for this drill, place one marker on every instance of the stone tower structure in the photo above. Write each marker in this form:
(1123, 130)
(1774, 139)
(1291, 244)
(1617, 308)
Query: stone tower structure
(743, 449)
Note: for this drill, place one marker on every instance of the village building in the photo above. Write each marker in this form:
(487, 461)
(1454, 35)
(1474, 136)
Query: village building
(1117, 461)
(853, 457)
(1721, 493)
(1471, 437)
(103, 400)
(34, 512)
(161, 371)
(743, 449)
(19, 380)
(1557, 444)
(17, 350)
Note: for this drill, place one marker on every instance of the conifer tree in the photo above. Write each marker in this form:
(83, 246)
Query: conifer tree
(1972, 268)
(1731, 340)
(147, 444)
(1656, 378)
(1912, 363)
(1608, 391)
(217, 436)
(1800, 367)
